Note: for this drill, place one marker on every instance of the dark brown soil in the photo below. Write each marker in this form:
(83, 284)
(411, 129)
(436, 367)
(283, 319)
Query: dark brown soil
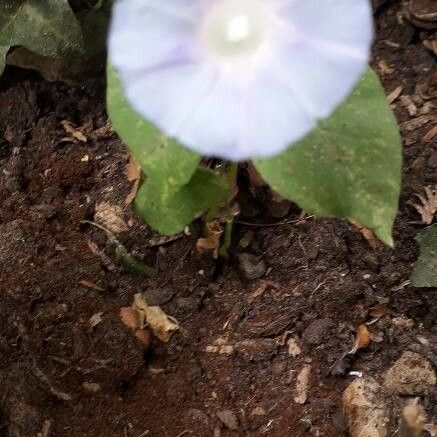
(322, 280)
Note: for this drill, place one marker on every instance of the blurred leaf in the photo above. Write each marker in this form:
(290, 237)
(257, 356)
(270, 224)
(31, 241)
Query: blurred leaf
(3, 52)
(425, 269)
(170, 212)
(47, 27)
(349, 166)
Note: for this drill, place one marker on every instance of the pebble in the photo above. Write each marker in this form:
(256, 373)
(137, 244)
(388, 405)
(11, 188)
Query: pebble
(365, 409)
(229, 419)
(411, 374)
(91, 387)
(251, 266)
(303, 385)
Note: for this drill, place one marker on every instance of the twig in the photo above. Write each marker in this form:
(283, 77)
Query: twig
(54, 391)
(268, 225)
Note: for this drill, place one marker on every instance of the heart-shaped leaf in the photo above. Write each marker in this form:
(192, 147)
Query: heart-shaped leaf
(47, 27)
(349, 166)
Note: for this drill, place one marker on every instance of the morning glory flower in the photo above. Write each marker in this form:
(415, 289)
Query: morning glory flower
(239, 79)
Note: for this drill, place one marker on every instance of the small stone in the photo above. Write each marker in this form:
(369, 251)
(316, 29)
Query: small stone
(303, 385)
(91, 387)
(294, 349)
(365, 409)
(258, 411)
(252, 267)
(410, 375)
(316, 332)
(229, 419)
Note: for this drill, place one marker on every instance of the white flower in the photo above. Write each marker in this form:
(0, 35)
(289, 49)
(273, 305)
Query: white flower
(239, 79)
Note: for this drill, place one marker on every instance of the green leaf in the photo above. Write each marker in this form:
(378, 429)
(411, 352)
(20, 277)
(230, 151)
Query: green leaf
(349, 166)
(47, 27)
(425, 270)
(162, 159)
(3, 52)
(169, 214)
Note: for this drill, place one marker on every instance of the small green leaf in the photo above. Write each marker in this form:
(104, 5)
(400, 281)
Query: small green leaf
(425, 269)
(349, 166)
(162, 159)
(170, 214)
(47, 27)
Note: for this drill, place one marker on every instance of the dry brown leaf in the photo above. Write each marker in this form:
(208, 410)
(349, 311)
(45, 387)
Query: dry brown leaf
(362, 339)
(111, 217)
(91, 285)
(130, 317)
(95, 319)
(431, 45)
(430, 134)
(144, 336)
(394, 94)
(133, 174)
(162, 325)
(366, 233)
(212, 241)
(428, 206)
(74, 132)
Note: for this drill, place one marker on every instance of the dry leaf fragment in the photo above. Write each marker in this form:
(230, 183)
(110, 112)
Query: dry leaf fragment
(430, 134)
(428, 206)
(362, 339)
(431, 44)
(409, 105)
(133, 174)
(95, 319)
(91, 285)
(73, 131)
(162, 325)
(110, 216)
(366, 233)
(130, 317)
(394, 94)
(144, 336)
(212, 241)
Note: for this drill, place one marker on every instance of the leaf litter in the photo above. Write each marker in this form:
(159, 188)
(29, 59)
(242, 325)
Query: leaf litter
(142, 315)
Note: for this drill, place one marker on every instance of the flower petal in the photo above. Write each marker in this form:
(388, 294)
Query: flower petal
(274, 118)
(146, 32)
(322, 60)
